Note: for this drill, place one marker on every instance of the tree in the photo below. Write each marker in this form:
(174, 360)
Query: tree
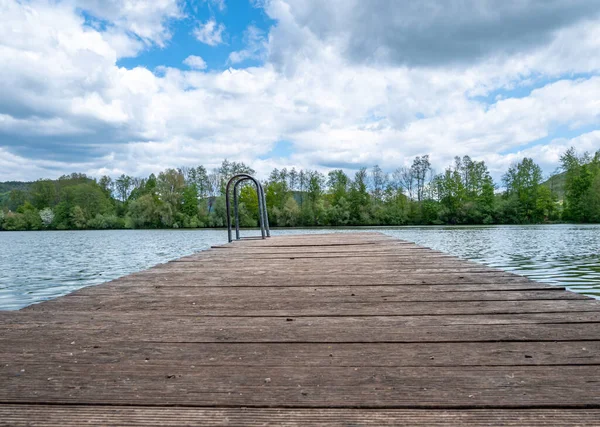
(359, 198)
(293, 179)
(77, 217)
(16, 198)
(144, 212)
(451, 194)
(47, 217)
(43, 193)
(190, 201)
(592, 200)
(581, 172)
(14, 222)
(170, 185)
(89, 197)
(290, 213)
(339, 212)
(522, 182)
(338, 183)
(107, 185)
(314, 209)
(465, 192)
(124, 186)
(302, 186)
(229, 169)
(277, 191)
(249, 199)
(379, 181)
(315, 186)
(197, 177)
(420, 168)
(218, 216)
(405, 176)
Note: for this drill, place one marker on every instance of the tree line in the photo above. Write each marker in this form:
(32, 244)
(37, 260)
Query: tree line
(193, 197)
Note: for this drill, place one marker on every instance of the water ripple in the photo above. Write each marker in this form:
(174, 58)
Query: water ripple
(37, 266)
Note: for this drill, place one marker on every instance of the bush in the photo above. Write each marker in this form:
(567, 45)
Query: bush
(103, 222)
(15, 222)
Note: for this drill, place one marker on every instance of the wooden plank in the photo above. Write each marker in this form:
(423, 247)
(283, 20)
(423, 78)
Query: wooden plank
(329, 294)
(119, 354)
(200, 306)
(134, 287)
(368, 387)
(64, 416)
(154, 327)
(278, 278)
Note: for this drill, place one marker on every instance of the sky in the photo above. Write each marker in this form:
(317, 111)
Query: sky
(107, 87)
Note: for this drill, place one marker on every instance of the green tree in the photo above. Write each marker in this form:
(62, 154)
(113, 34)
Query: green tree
(290, 214)
(14, 221)
(451, 194)
(420, 169)
(170, 185)
(581, 172)
(144, 212)
(190, 201)
(107, 185)
(198, 177)
(249, 199)
(16, 198)
(338, 183)
(314, 212)
(229, 169)
(465, 193)
(124, 186)
(523, 181)
(277, 194)
(77, 217)
(43, 193)
(359, 199)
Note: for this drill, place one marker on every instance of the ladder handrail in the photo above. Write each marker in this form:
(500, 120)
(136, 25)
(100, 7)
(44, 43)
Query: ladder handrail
(262, 206)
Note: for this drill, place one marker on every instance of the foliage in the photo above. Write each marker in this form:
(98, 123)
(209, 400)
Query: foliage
(192, 197)
(523, 188)
(465, 193)
(47, 217)
(582, 197)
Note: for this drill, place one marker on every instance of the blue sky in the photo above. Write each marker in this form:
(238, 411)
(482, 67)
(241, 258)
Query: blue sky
(236, 17)
(130, 86)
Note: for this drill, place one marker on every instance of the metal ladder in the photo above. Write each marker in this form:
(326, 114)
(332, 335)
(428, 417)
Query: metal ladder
(236, 180)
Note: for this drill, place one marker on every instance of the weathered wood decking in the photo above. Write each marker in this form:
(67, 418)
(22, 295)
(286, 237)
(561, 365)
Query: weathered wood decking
(350, 329)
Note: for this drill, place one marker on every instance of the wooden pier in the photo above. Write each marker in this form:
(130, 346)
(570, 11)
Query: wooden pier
(338, 329)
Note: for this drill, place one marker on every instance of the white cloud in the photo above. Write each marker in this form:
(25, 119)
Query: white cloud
(210, 32)
(546, 155)
(219, 4)
(195, 62)
(147, 20)
(426, 32)
(65, 104)
(256, 46)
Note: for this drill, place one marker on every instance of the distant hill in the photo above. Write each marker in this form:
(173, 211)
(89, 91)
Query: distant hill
(556, 184)
(8, 186)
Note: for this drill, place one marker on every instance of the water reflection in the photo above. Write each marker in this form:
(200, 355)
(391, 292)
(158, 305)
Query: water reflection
(567, 255)
(36, 266)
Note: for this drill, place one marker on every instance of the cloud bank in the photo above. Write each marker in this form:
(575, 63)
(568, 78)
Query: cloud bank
(344, 83)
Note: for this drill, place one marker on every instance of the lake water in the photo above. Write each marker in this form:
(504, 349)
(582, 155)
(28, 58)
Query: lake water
(37, 266)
